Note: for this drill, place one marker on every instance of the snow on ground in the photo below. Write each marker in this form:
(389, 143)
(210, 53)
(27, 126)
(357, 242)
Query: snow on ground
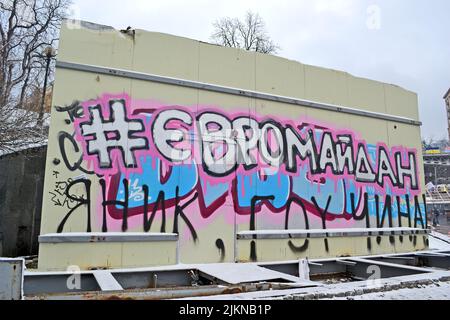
(436, 291)
(439, 241)
(23, 148)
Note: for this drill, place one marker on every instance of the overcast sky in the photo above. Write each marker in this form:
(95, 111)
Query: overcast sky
(404, 42)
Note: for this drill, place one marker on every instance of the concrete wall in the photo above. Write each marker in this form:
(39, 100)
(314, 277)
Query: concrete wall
(21, 186)
(116, 141)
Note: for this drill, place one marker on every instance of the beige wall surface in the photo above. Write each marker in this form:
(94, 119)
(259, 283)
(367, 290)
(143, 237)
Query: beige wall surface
(128, 155)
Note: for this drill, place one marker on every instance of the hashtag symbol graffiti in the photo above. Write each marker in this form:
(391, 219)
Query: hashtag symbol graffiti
(116, 133)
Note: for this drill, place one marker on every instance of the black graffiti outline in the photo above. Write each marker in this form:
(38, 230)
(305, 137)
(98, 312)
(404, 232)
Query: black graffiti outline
(73, 110)
(349, 162)
(204, 164)
(160, 201)
(106, 202)
(254, 200)
(220, 245)
(81, 201)
(292, 246)
(130, 134)
(348, 145)
(62, 137)
(323, 216)
(313, 164)
(152, 130)
(239, 152)
(282, 144)
(58, 192)
(180, 213)
(384, 175)
(365, 214)
(368, 169)
(414, 185)
(335, 171)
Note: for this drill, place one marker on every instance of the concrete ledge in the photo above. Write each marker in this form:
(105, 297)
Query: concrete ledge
(113, 250)
(330, 233)
(60, 256)
(111, 237)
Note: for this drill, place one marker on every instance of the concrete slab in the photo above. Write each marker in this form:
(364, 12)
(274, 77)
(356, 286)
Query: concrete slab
(106, 281)
(234, 273)
(11, 278)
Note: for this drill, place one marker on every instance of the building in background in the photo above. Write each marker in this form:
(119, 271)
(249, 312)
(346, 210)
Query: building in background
(447, 106)
(21, 187)
(437, 168)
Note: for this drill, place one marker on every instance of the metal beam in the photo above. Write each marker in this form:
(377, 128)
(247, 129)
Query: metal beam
(399, 258)
(328, 233)
(432, 254)
(106, 281)
(345, 262)
(90, 237)
(392, 269)
(233, 91)
(48, 285)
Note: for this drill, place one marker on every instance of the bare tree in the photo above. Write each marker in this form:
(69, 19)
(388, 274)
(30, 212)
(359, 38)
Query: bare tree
(27, 27)
(249, 34)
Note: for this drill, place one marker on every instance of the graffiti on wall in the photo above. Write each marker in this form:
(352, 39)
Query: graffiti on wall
(154, 160)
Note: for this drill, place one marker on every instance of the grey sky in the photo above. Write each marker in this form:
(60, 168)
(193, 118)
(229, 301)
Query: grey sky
(409, 45)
